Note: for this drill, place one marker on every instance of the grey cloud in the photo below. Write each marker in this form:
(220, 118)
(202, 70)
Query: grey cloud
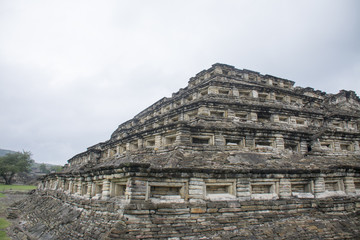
(70, 72)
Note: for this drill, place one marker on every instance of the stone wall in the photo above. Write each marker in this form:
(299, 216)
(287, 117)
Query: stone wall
(285, 219)
(139, 182)
(138, 202)
(53, 215)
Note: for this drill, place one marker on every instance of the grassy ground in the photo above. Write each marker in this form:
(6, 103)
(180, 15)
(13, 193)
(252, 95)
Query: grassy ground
(4, 187)
(3, 235)
(5, 202)
(3, 224)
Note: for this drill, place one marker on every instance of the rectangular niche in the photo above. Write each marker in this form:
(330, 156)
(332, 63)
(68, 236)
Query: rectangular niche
(73, 189)
(217, 114)
(263, 117)
(326, 145)
(345, 147)
(279, 98)
(224, 91)
(300, 121)
(220, 189)
(169, 140)
(263, 190)
(244, 94)
(134, 145)
(264, 142)
(177, 104)
(122, 149)
(66, 186)
(150, 143)
(336, 124)
(357, 185)
(233, 142)
(204, 92)
(113, 152)
(174, 119)
(287, 85)
(166, 191)
(263, 96)
(201, 140)
(283, 119)
(167, 108)
(84, 188)
(292, 146)
(243, 116)
(300, 188)
(118, 188)
(189, 98)
(217, 189)
(334, 185)
(191, 115)
(98, 189)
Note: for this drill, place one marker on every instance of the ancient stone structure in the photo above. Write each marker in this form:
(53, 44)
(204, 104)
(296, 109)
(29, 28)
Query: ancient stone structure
(234, 154)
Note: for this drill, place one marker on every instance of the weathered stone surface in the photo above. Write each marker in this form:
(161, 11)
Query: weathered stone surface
(321, 219)
(235, 154)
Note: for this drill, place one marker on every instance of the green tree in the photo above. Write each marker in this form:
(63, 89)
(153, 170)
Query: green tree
(56, 168)
(13, 163)
(43, 168)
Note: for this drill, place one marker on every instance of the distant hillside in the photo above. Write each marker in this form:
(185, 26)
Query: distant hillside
(3, 152)
(36, 169)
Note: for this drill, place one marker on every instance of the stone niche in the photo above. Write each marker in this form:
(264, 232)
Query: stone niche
(118, 188)
(220, 189)
(302, 188)
(169, 190)
(262, 189)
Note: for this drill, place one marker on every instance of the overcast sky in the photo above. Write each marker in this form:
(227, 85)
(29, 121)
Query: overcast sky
(72, 71)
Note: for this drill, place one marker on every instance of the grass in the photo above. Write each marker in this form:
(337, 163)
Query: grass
(3, 224)
(2, 195)
(4, 187)
(3, 235)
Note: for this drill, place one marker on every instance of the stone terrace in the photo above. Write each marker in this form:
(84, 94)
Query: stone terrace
(233, 155)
